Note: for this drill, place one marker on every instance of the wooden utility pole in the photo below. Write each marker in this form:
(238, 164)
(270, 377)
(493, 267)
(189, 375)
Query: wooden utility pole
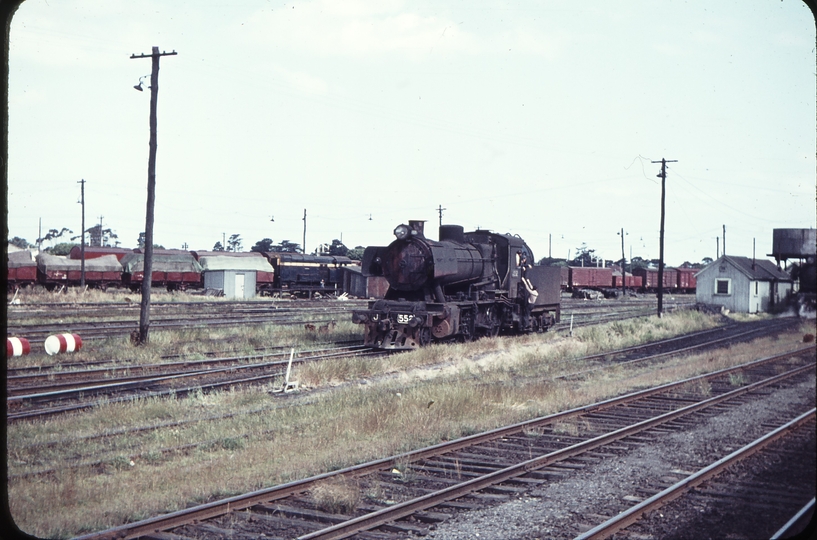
(623, 271)
(663, 176)
(724, 239)
(144, 314)
(440, 210)
(303, 249)
(82, 236)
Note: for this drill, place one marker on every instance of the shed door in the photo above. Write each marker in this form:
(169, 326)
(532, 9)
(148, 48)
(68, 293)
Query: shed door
(239, 285)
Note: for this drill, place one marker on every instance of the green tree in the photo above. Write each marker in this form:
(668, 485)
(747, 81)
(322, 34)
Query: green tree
(638, 262)
(63, 248)
(337, 249)
(99, 237)
(218, 247)
(552, 261)
(141, 243)
(287, 247)
(54, 233)
(262, 245)
(584, 256)
(234, 243)
(21, 243)
(356, 254)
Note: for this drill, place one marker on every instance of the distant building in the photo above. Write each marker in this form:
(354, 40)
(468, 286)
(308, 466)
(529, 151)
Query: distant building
(743, 285)
(235, 277)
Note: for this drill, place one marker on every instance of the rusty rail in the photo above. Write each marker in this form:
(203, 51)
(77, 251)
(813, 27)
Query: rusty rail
(630, 516)
(218, 508)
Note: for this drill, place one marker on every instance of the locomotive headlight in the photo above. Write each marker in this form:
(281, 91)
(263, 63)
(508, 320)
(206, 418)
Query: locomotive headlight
(402, 232)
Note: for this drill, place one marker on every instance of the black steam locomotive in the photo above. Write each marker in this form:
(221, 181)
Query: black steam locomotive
(465, 286)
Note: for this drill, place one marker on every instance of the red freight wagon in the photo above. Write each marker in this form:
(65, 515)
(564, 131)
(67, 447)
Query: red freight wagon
(22, 270)
(649, 278)
(174, 269)
(93, 252)
(590, 277)
(99, 272)
(686, 279)
(630, 281)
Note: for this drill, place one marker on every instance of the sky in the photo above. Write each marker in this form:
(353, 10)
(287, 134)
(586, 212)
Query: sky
(540, 119)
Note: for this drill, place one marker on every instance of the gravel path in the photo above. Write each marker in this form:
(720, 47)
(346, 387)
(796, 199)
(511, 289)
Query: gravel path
(559, 509)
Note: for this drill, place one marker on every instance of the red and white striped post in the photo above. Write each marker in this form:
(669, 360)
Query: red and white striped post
(16, 346)
(60, 343)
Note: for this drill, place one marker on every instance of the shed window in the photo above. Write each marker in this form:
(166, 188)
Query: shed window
(723, 286)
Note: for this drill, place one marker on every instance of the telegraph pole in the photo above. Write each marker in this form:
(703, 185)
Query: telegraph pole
(82, 236)
(440, 210)
(100, 231)
(623, 271)
(663, 176)
(724, 239)
(303, 249)
(144, 314)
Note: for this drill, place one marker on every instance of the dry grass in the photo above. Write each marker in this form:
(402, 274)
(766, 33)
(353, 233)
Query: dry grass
(39, 295)
(238, 441)
(336, 495)
(247, 340)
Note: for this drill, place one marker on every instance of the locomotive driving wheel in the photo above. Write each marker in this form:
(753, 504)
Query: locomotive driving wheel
(490, 322)
(424, 336)
(467, 325)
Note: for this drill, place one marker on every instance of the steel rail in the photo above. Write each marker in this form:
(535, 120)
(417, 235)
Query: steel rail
(667, 353)
(400, 510)
(772, 326)
(204, 367)
(217, 508)
(14, 416)
(788, 529)
(631, 515)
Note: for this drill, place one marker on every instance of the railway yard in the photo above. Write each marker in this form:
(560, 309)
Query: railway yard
(269, 418)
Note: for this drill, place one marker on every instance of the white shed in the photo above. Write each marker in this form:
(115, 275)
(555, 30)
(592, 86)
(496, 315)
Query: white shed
(235, 276)
(743, 285)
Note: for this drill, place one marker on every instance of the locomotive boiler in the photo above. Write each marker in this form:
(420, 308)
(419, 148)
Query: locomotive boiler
(464, 286)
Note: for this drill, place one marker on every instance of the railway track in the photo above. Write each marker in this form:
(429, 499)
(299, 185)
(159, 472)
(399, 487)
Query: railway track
(427, 486)
(36, 396)
(715, 482)
(98, 321)
(89, 330)
(36, 392)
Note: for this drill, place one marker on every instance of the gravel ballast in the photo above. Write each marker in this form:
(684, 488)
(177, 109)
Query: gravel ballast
(565, 508)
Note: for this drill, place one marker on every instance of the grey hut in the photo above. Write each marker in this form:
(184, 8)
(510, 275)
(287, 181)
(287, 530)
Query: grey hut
(743, 285)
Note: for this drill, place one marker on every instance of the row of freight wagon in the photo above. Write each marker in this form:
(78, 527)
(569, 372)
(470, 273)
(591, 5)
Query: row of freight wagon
(175, 269)
(642, 279)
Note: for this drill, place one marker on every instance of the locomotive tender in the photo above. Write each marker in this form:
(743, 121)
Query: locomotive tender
(464, 286)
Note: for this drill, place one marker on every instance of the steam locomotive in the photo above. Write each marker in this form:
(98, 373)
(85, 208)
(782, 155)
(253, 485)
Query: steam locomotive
(464, 286)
